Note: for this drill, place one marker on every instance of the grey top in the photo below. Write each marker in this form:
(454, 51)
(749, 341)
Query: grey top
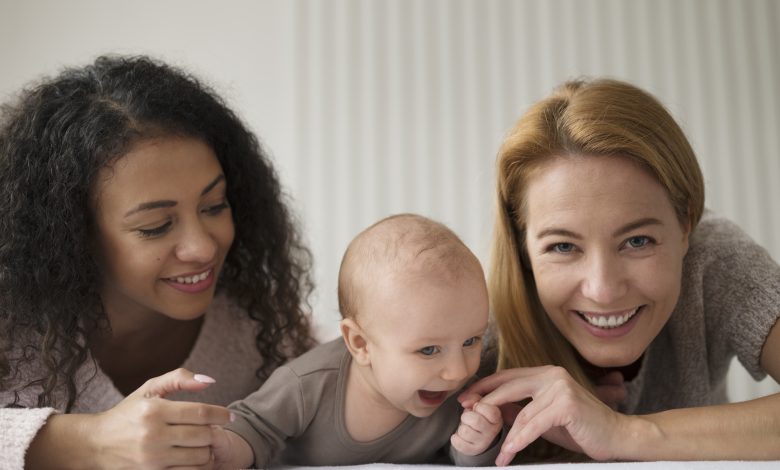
(297, 418)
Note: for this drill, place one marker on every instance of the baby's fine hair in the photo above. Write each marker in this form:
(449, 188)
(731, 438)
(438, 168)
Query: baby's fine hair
(406, 245)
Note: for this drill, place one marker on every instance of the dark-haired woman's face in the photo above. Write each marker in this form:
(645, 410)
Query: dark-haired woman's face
(164, 230)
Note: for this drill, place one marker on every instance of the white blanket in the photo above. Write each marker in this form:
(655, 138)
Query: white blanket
(665, 465)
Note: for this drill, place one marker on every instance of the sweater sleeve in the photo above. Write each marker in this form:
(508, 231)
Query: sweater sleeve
(744, 290)
(271, 415)
(18, 427)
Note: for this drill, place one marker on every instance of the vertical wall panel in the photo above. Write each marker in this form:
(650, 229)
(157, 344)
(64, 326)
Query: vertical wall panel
(401, 105)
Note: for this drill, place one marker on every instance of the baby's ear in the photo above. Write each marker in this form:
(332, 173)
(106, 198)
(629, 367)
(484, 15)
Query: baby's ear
(355, 340)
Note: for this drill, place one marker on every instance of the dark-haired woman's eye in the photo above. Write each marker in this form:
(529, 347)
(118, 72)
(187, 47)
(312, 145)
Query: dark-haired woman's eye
(216, 209)
(155, 231)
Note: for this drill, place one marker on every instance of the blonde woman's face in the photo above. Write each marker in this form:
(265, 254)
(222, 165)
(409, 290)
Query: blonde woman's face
(606, 249)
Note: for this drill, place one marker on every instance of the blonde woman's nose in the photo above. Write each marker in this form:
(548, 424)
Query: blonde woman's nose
(603, 279)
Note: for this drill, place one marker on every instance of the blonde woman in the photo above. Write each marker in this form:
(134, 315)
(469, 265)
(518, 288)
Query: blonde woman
(619, 301)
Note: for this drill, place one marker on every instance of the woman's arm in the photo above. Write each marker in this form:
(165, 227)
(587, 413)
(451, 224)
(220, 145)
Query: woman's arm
(739, 431)
(18, 427)
(144, 430)
(770, 353)
(563, 412)
(749, 430)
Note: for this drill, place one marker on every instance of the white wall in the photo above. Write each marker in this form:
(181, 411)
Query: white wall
(377, 107)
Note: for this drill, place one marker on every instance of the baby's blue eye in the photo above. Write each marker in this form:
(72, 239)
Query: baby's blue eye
(428, 350)
(471, 341)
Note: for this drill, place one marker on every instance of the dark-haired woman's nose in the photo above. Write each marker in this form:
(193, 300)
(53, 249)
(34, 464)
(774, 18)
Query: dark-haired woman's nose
(196, 244)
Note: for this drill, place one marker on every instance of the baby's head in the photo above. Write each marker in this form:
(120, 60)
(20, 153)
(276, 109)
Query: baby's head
(414, 306)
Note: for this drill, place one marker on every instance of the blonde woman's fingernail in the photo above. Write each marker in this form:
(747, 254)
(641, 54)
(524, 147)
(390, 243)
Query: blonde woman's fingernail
(204, 379)
(232, 417)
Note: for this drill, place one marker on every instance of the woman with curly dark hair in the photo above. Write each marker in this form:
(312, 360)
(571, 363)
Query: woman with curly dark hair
(142, 230)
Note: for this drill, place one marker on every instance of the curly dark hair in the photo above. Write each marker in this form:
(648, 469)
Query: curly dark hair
(54, 141)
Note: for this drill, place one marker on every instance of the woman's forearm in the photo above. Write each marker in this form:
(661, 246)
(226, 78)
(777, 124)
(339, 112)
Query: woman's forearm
(64, 442)
(738, 431)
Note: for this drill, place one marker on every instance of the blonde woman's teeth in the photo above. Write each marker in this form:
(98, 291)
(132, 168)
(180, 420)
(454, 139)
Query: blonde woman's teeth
(192, 279)
(608, 321)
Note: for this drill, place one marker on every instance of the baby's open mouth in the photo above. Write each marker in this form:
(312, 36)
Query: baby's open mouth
(432, 398)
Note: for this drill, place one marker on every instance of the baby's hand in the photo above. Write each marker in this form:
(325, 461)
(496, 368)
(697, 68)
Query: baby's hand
(229, 450)
(221, 447)
(478, 428)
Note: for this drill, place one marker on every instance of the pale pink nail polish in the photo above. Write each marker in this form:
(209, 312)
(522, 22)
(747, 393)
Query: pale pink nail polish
(205, 379)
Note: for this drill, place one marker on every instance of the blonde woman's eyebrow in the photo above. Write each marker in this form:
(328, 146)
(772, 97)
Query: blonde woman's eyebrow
(559, 232)
(631, 226)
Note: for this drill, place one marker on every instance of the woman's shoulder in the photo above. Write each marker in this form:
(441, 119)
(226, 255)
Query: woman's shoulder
(726, 272)
(735, 285)
(715, 230)
(718, 241)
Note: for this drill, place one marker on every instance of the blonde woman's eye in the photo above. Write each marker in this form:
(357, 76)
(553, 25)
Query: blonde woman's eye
(639, 241)
(429, 350)
(563, 247)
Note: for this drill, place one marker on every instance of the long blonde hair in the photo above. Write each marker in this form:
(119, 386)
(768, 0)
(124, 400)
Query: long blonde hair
(600, 117)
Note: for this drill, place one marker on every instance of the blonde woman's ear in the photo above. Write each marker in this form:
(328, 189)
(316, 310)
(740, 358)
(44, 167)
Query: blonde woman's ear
(355, 340)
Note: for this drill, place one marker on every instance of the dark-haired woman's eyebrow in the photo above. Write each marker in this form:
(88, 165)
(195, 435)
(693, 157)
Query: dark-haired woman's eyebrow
(211, 185)
(145, 206)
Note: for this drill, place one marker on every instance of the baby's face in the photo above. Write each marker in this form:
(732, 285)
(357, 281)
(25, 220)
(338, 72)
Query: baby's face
(424, 338)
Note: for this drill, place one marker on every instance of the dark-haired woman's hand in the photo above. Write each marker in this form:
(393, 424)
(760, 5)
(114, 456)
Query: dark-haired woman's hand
(143, 431)
(561, 411)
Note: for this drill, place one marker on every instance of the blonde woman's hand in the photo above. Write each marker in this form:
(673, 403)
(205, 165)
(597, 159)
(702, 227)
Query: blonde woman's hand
(561, 411)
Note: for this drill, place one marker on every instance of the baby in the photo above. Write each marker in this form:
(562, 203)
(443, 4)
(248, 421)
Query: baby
(414, 308)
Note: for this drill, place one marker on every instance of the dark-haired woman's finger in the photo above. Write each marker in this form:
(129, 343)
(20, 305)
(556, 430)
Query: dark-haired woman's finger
(179, 380)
